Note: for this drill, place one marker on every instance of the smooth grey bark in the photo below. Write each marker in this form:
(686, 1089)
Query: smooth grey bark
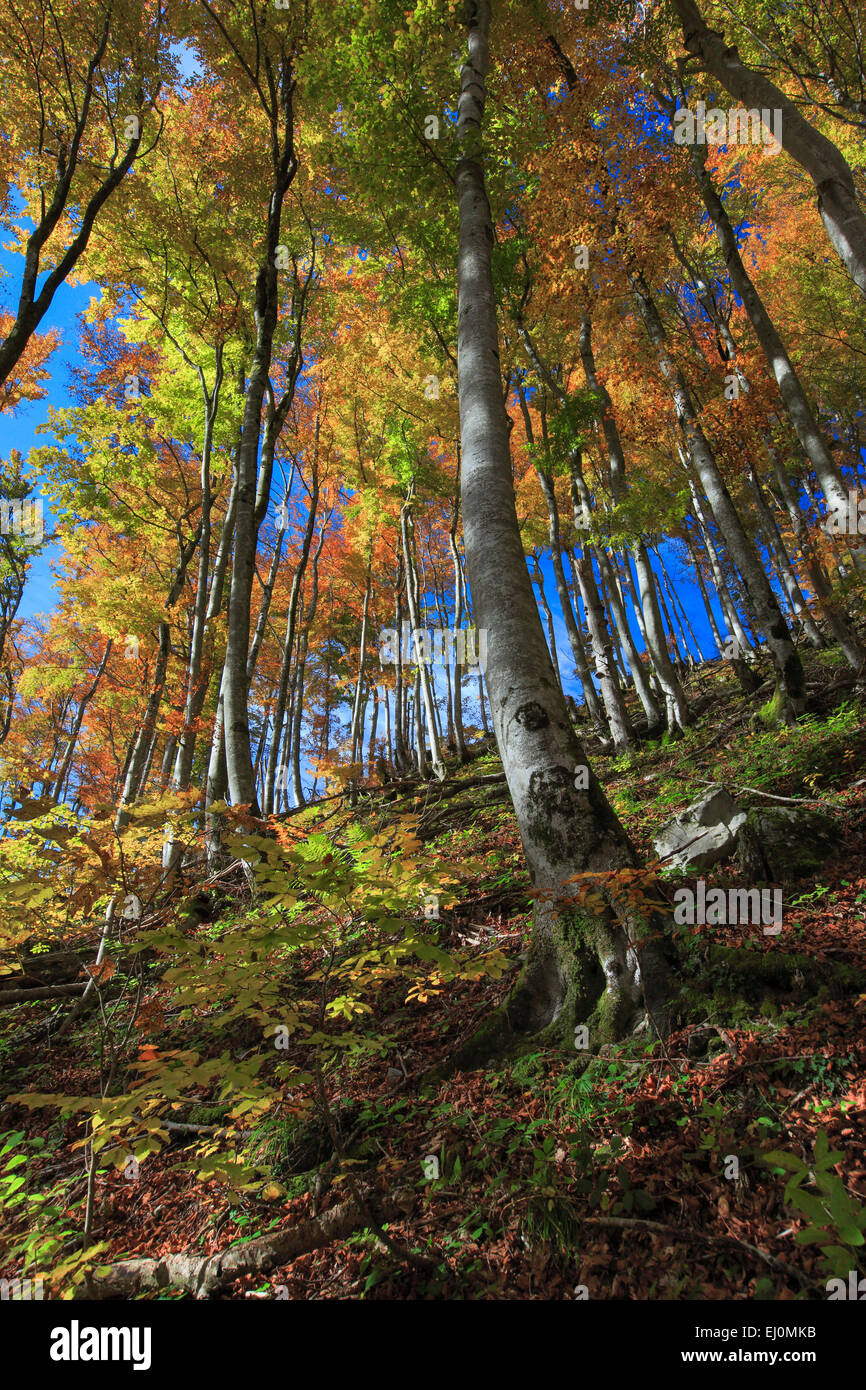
(402, 759)
(621, 731)
(622, 566)
(267, 587)
(708, 608)
(729, 609)
(482, 705)
(423, 681)
(417, 724)
(250, 511)
(289, 643)
(676, 704)
(830, 172)
(538, 580)
(374, 724)
(786, 660)
(196, 686)
(791, 390)
(616, 603)
(600, 717)
(308, 618)
(837, 618)
(216, 783)
(575, 641)
(675, 635)
(620, 723)
(679, 612)
(777, 546)
(66, 762)
(583, 964)
(596, 618)
(147, 728)
(356, 725)
(459, 597)
(747, 678)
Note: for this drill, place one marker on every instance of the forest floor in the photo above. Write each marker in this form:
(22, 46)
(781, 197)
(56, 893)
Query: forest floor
(638, 1173)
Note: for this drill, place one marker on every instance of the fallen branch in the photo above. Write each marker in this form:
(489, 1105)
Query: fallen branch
(203, 1277)
(792, 800)
(21, 996)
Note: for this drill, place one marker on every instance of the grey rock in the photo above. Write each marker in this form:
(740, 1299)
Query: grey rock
(781, 842)
(703, 834)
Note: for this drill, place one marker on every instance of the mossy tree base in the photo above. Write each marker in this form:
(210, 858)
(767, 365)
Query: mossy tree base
(582, 973)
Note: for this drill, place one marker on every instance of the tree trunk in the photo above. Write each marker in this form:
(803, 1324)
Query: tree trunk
(423, 675)
(834, 182)
(538, 579)
(289, 645)
(249, 512)
(459, 736)
(66, 762)
(585, 964)
(789, 669)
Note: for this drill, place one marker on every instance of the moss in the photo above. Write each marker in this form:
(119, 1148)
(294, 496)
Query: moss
(208, 1114)
(730, 983)
(776, 843)
(774, 713)
(714, 1006)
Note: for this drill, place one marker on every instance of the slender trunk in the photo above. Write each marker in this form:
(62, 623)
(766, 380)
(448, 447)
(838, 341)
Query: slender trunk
(482, 705)
(615, 603)
(66, 761)
(289, 644)
(732, 617)
(777, 547)
(676, 704)
(680, 613)
(402, 760)
(423, 675)
(195, 692)
(599, 718)
(583, 963)
(538, 579)
(459, 737)
(837, 619)
(830, 172)
(356, 727)
(297, 720)
(136, 765)
(789, 669)
(250, 510)
(791, 390)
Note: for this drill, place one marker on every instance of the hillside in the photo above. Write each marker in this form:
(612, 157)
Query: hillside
(354, 1158)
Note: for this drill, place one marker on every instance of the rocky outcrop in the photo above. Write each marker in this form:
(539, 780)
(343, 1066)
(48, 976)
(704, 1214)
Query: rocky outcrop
(703, 834)
(780, 842)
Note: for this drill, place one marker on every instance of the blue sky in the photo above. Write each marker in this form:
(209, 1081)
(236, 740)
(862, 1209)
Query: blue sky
(18, 430)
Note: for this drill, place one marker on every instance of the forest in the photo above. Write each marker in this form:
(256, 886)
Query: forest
(432, 656)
